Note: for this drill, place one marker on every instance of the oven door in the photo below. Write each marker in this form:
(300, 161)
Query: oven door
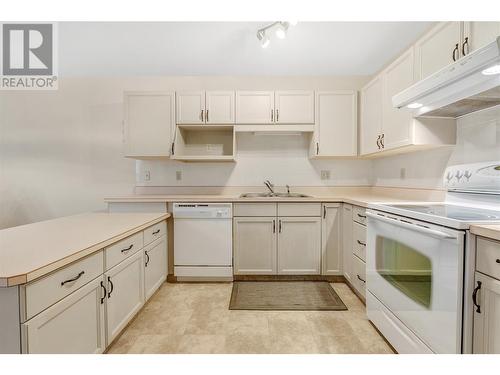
(416, 270)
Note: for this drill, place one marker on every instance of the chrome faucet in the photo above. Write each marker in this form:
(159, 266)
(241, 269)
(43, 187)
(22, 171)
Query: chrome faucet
(269, 186)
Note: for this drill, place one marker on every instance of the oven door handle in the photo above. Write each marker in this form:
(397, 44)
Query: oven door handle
(414, 227)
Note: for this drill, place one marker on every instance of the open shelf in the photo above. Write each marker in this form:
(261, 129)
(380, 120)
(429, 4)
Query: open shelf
(204, 143)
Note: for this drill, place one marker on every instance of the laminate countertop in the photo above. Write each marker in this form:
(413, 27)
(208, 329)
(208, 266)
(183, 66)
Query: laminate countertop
(33, 250)
(490, 231)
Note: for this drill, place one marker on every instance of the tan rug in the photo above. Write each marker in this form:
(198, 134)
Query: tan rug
(284, 295)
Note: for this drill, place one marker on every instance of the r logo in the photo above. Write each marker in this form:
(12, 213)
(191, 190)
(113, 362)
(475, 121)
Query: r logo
(27, 49)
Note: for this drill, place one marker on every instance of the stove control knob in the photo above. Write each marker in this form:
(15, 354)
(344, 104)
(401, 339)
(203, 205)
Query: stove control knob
(459, 175)
(468, 175)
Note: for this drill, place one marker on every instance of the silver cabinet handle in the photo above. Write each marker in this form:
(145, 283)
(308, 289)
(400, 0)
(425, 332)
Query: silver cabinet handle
(274, 226)
(201, 115)
(324, 212)
(317, 148)
(277, 115)
(279, 227)
(272, 115)
(73, 279)
(206, 115)
(414, 227)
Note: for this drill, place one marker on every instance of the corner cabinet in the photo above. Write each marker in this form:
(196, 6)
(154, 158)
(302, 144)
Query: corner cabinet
(387, 130)
(335, 133)
(149, 121)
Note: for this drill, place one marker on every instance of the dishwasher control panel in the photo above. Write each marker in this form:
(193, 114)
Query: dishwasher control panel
(203, 211)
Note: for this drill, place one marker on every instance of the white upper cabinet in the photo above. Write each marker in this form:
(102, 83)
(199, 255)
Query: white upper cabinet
(371, 116)
(219, 107)
(190, 107)
(294, 107)
(148, 123)
(255, 107)
(336, 124)
(479, 34)
(441, 46)
(396, 123)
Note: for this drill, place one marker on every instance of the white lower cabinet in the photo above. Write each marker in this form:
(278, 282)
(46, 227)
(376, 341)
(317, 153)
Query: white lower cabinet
(347, 241)
(486, 316)
(73, 325)
(254, 245)
(299, 245)
(155, 265)
(358, 279)
(125, 293)
(331, 254)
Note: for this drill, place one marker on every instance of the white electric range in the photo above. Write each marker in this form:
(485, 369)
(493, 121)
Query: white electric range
(419, 261)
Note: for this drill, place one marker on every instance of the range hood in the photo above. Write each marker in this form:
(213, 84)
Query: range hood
(468, 85)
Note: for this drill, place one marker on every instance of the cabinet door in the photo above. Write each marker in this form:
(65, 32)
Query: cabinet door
(371, 116)
(336, 123)
(347, 240)
(155, 265)
(396, 123)
(73, 325)
(358, 279)
(299, 245)
(220, 107)
(190, 107)
(254, 244)
(254, 107)
(436, 49)
(148, 123)
(125, 286)
(294, 107)
(478, 35)
(331, 253)
(487, 322)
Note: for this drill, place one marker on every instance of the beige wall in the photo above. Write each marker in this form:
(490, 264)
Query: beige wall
(60, 152)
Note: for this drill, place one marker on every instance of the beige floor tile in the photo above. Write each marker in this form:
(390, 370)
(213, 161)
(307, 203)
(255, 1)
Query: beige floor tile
(339, 345)
(155, 344)
(290, 323)
(285, 343)
(249, 343)
(202, 344)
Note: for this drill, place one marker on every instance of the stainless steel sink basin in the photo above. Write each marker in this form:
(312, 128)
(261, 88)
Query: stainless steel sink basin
(275, 195)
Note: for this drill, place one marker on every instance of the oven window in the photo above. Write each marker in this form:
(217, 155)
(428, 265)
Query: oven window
(406, 269)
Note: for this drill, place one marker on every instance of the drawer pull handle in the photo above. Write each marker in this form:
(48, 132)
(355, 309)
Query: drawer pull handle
(156, 231)
(362, 216)
(147, 258)
(73, 279)
(111, 287)
(361, 279)
(128, 248)
(361, 243)
(103, 288)
(474, 296)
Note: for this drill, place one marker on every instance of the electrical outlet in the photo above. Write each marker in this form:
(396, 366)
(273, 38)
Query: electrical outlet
(147, 175)
(402, 173)
(178, 175)
(325, 175)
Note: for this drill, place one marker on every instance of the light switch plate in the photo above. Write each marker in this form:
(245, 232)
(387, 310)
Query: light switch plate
(147, 175)
(325, 175)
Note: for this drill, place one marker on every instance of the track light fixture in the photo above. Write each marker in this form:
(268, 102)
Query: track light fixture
(280, 29)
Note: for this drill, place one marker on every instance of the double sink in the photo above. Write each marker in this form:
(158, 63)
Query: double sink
(274, 195)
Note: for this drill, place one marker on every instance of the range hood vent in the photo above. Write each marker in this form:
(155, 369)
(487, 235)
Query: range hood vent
(468, 85)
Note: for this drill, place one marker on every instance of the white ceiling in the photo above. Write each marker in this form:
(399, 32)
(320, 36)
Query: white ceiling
(230, 48)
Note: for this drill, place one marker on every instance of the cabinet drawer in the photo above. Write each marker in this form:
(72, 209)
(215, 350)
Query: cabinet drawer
(299, 209)
(359, 240)
(254, 209)
(358, 214)
(359, 275)
(488, 257)
(123, 249)
(154, 232)
(44, 292)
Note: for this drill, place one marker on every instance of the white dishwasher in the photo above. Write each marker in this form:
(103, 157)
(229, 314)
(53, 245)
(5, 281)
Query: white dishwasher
(203, 241)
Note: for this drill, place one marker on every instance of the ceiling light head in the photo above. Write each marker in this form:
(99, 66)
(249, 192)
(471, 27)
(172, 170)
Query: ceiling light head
(264, 39)
(414, 105)
(495, 69)
(281, 29)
